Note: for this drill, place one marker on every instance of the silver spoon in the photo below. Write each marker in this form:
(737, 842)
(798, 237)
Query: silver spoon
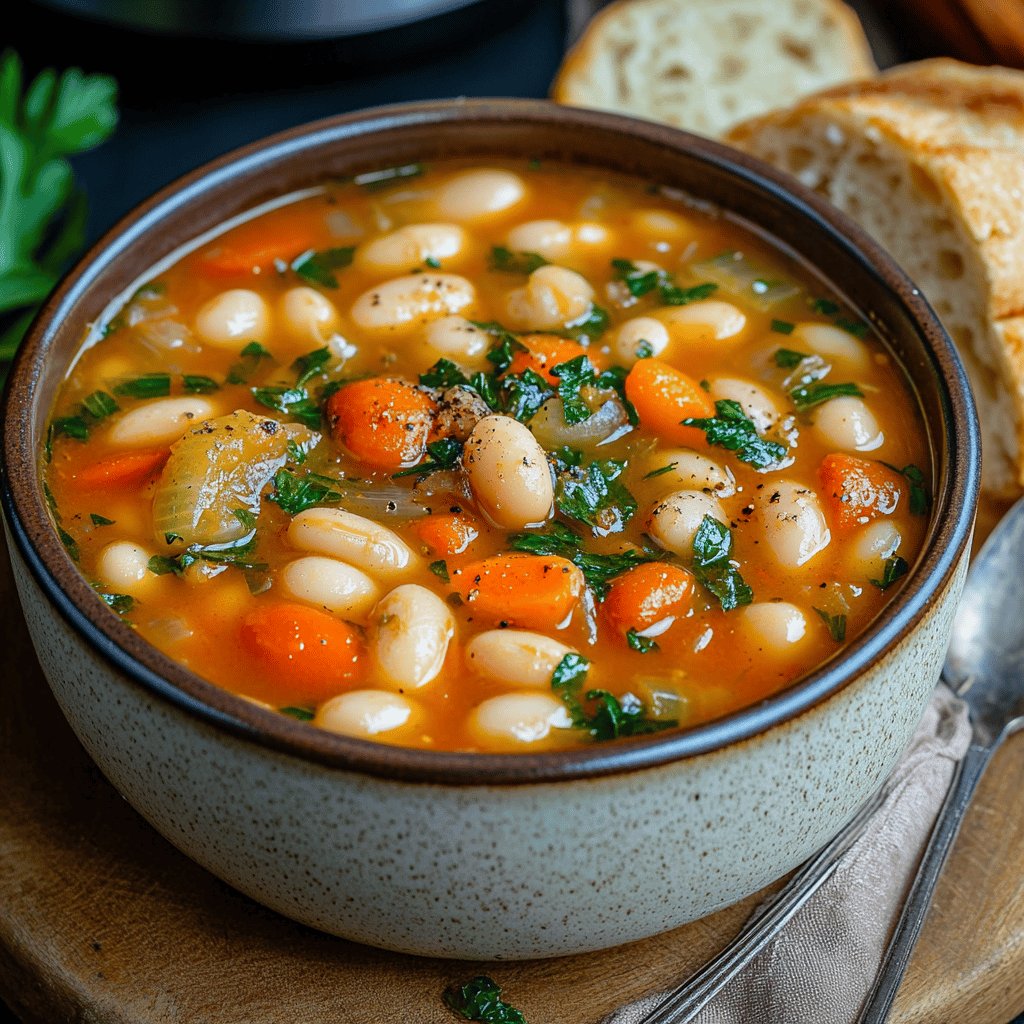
(983, 667)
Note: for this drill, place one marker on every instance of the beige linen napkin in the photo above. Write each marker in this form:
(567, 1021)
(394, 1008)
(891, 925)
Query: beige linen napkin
(819, 969)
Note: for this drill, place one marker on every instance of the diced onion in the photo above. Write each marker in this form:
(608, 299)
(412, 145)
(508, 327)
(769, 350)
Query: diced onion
(551, 430)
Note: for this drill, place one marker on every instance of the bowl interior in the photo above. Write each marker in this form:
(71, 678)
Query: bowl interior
(829, 245)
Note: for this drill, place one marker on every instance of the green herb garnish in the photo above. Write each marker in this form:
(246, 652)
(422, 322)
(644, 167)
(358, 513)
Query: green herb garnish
(197, 384)
(252, 355)
(120, 603)
(836, 624)
(480, 1000)
(733, 430)
(98, 520)
(442, 455)
(783, 327)
(857, 328)
(302, 714)
(572, 376)
(506, 344)
(235, 554)
(318, 266)
(99, 405)
(661, 470)
(433, 262)
(149, 385)
(311, 365)
(712, 550)
(294, 402)
(69, 542)
(246, 517)
(895, 568)
(920, 496)
(825, 306)
(590, 326)
(807, 396)
(506, 261)
(294, 494)
(787, 358)
(440, 570)
(595, 496)
(637, 281)
(643, 644)
(69, 426)
(672, 295)
(525, 393)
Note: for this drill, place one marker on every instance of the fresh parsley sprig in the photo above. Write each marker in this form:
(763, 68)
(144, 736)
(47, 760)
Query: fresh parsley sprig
(733, 430)
(713, 568)
(480, 999)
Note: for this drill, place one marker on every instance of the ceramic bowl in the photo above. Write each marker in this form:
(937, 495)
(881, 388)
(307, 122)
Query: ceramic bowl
(471, 855)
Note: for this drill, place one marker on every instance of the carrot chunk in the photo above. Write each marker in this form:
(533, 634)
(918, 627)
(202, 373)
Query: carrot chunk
(546, 351)
(647, 594)
(856, 491)
(533, 591)
(255, 245)
(311, 654)
(132, 469)
(663, 397)
(384, 422)
(447, 534)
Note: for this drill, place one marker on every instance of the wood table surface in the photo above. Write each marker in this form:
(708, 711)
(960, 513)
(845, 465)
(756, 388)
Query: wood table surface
(102, 921)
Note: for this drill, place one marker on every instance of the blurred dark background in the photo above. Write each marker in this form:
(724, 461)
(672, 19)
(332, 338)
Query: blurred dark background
(186, 99)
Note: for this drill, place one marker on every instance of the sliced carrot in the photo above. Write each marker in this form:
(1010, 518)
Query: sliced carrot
(382, 421)
(132, 469)
(447, 534)
(311, 654)
(857, 490)
(663, 397)
(533, 591)
(256, 244)
(545, 352)
(647, 595)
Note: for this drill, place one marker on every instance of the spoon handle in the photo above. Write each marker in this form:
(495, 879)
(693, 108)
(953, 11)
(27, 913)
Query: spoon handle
(908, 927)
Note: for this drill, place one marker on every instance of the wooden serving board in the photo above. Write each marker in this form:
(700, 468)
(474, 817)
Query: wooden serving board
(102, 921)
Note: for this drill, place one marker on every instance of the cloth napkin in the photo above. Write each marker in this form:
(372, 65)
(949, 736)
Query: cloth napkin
(820, 968)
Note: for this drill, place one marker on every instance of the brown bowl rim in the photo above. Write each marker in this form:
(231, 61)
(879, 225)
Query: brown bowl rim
(117, 644)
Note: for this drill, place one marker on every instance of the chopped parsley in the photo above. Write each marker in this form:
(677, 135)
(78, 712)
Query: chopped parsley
(303, 714)
(783, 327)
(98, 520)
(311, 365)
(317, 267)
(857, 328)
(595, 496)
(69, 426)
(294, 402)
(197, 384)
(920, 496)
(895, 568)
(712, 549)
(120, 603)
(733, 430)
(506, 261)
(637, 281)
(643, 644)
(836, 624)
(373, 181)
(572, 376)
(442, 454)
(807, 396)
(661, 470)
(440, 570)
(149, 385)
(590, 326)
(788, 358)
(251, 357)
(294, 494)
(672, 295)
(825, 306)
(480, 1000)
(506, 344)
(69, 542)
(244, 516)
(99, 405)
(433, 262)
(236, 554)
(525, 393)
(443, 374)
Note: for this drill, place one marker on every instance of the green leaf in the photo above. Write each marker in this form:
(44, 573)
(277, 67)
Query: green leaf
(163, 565)
(149, 385)
(70, 545)
(712, 549)
(99, 405)
(857, 328)
(733, 430)
(836, 624)
(783, 327)
(98, 520)
(788, 358)
(638, 282)
(246, 517)
(24, 287)
(661, 470)
(506, 344)
(197, 384)
(251, 356)
(294, 493)
(595, 496)
(301, 713)
(920, 495)
(643, 644)
(294, 402)
(615, 717)
(525, 393)
(443, 374)
(572, 376)
(317, 267)
(480, 1000)
(120, 603)
(506, 261)
(825, 306)
(807, 396)
(442, 454)
(672, 295)
(311, 365)
(70, 426)
(440, 570)
(895, 568)
(590, 326)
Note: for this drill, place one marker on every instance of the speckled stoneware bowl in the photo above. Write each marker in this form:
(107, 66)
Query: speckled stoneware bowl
(491, 856)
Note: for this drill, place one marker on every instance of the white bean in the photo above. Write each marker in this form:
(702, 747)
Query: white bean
(415, 298)
(454, 337)
(552, 239)
(366, 713)
(517, 719)
(847, 424)
(375, 549)
(517, 657)
(689, 471)
(552, 298)
(336, 586)
(674, 521)
(508, 473)
(794, 523)
(159, 422)
(872, 545)
(233, 318)
(412, 245)
(124, 567)
(661, 224)
(479, 194)
(753, 399)
(833, 344)
(589, 233)
(412, 630)
(640, 331)
(709, 320)
(774, 625)
(307, 316)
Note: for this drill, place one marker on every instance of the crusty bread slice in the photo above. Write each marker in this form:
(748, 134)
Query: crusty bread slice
(706, 64)
(929, 158)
